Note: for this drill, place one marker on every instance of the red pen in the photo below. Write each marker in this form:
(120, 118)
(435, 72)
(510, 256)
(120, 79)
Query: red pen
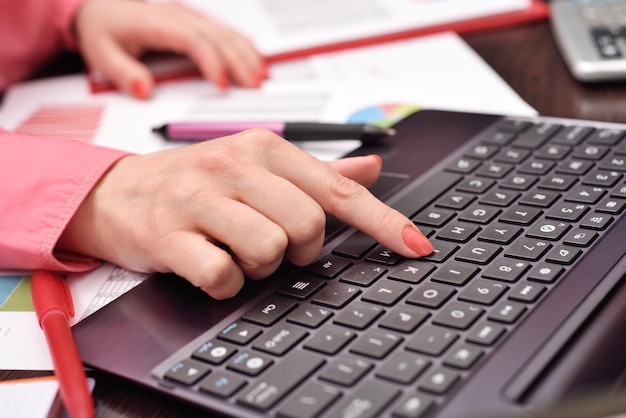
(53, 306)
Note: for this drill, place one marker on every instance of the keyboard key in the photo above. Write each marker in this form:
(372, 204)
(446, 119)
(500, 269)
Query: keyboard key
(508, 312)
(475, 185)
(463, 356)
(413, 406)
(563, 254)
(434, 216)
(384, 256)
(187, 372)
(611, 205)
(412, 271)
(585, 194)
(550, 230)
(404, 318)
(481, 214)
(240, 333)
(330, 339)
(478, 252)
(432, 340)
(499, 197)
(455, 200)
(602, 178)
(375, 343)
(527, 292)
(430, 295)
(302, 288)
(386, 292)
(328, 266)
(574, 166)
(484, 292)
(569, 212)
(368, 401)
(336, 295)
(280, 339)
(553, 152)
(272, 386)
(528, 249)
(458, 315)
(499, 233)
(214, 352)
(249, 363)
(222, 384)
(344, 370)
(545, 273)
(403, 368)
(458, 232)
(455, 273)
(539, 198)
(439, 381)
(486, 333)
(309, 315)
(506, 270)
(270, 310)
(596, 220)
(362, 274)
(519, 181)
(358, 315)
(520, 215)
(309, 401)
(536, 167)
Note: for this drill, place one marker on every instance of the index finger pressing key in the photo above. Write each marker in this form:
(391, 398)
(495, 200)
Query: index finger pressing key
(353, 204)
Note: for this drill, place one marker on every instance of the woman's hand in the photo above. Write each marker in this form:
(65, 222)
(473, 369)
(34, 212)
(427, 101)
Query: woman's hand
(112, 34)
(221, 209)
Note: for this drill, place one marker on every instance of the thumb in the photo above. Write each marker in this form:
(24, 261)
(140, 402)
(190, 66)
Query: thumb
(364, 170)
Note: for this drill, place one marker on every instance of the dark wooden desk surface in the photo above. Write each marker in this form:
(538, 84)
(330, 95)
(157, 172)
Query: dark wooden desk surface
(525, 57)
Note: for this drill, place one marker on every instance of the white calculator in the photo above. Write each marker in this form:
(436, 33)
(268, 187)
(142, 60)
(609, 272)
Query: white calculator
(591, 35)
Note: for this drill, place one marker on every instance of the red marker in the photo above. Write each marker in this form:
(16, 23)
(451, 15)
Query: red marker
(54, 308)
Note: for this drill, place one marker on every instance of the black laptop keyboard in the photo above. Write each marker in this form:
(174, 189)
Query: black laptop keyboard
(363, 332)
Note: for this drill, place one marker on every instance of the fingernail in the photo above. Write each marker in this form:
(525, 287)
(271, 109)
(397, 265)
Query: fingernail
(223, 82)
(378, 157)
(255, 80)
(416, 241)
(139, 90)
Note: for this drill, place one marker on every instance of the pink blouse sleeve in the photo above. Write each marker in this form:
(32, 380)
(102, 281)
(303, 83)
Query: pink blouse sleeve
(63, 19)
(43, 181)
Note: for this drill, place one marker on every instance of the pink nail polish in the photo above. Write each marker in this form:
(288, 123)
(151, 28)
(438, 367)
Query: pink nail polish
(139, 90)
(223, 81)
(416, 241)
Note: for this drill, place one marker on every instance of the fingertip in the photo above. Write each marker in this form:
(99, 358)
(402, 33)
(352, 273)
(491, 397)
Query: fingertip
(416, 241)
(140, 89)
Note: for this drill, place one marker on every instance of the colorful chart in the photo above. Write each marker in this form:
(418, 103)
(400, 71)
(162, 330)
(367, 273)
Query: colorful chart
(15, 294)
(383, 115)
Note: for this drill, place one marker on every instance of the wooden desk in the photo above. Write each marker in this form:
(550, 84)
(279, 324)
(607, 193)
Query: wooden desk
(526, 58)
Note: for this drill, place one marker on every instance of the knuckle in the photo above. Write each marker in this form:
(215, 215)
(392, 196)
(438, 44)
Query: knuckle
(342, 191)
(311, 227)
(268, 256)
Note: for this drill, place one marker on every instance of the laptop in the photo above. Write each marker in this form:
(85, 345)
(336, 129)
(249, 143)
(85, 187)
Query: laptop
(520, 311)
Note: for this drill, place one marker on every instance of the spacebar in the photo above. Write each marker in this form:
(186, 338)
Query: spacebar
(422, 195)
